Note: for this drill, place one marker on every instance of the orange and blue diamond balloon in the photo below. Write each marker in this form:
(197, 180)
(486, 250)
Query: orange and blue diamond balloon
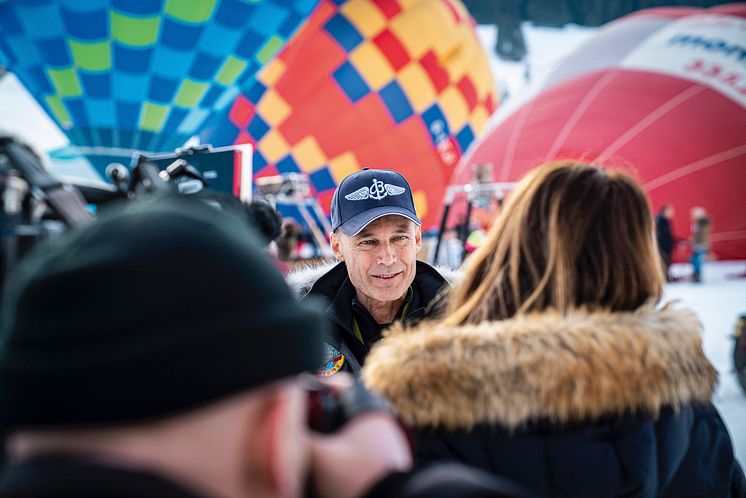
(391, 84)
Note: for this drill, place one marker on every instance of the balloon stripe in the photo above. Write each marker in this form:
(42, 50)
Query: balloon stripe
(577, 113)
(690, 168)
(723, 236)
(515, 135)
(648, 120)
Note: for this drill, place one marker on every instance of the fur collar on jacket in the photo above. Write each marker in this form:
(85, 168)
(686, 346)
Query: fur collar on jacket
(301, 280)
(545, 366)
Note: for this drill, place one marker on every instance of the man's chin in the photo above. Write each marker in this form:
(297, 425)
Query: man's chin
(386, 293)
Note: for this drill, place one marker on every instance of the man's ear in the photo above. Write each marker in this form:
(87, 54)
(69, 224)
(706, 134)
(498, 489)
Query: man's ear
(336, 243)
(278, 449)
(418, 237)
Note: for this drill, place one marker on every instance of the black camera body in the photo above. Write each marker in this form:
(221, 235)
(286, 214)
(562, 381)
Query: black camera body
(35, 205)
(330, 408)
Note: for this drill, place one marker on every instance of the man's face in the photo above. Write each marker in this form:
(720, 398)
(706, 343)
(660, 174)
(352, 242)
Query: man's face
(381, 259)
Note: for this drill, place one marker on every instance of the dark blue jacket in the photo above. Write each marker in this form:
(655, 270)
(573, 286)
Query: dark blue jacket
(343, 351)
(60, 477)
(663, 234)
(583, 405)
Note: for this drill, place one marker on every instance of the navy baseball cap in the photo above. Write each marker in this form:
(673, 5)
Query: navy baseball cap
(367, 195)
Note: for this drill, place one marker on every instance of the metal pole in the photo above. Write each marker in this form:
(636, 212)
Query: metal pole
(467, 220)
(447, 203)
(446, 210)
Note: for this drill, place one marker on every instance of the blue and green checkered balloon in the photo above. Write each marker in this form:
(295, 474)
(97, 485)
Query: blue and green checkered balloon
(141, 74)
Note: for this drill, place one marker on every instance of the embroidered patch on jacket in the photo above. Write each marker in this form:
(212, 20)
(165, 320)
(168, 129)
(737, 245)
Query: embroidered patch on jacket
(333, 361)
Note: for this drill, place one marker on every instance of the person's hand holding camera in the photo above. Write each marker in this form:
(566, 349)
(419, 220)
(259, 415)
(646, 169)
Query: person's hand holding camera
(369, 445)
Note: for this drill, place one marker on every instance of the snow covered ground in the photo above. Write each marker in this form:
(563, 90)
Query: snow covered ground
(719, 300)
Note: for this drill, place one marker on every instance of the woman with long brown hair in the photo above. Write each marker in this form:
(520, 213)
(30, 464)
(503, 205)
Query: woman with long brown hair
(554, 363)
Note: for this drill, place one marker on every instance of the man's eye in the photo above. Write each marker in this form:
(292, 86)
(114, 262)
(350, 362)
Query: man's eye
(367, 242)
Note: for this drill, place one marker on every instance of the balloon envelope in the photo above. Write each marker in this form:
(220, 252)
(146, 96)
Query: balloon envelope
(141, 75)
(662, 92)
(389, 84)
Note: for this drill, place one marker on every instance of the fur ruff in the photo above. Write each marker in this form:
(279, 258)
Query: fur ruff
(302, 279)
(542, 367)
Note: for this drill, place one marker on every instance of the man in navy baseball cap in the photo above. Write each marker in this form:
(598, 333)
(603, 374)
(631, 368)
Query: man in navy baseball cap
(375, 237)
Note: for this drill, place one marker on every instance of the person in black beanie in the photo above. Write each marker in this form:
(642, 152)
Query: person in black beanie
(155, 352)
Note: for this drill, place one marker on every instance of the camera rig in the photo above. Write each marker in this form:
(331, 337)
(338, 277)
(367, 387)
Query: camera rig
(37, 205)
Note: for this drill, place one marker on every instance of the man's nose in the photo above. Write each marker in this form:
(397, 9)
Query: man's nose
(386, 254)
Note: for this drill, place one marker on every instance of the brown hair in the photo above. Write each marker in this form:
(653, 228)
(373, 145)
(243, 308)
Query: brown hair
(571, 235)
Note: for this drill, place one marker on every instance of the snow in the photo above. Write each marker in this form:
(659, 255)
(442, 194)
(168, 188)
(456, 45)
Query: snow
(546, 48)
(719, 300)
(23, 117)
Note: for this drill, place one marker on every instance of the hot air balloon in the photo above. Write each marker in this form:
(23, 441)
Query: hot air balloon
(663, 92)
(119, 76)
(392, 84)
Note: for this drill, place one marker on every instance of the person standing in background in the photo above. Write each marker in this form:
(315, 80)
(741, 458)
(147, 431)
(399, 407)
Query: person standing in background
(664, 237)
(701, 226)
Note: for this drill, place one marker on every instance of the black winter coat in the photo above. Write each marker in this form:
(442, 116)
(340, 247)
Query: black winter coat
(57, 477)
(583, 405)
(663, 235)
(70, 478)
(343, 351)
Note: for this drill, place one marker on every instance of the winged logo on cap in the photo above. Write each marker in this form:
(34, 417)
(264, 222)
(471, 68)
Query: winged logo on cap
(359, 195)
(378, 190)
(394, 189)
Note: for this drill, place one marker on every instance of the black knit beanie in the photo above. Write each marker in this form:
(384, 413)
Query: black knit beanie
(150, 310)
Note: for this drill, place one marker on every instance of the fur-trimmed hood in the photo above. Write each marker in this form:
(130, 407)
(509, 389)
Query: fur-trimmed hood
(302, 279)
(542, 367)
